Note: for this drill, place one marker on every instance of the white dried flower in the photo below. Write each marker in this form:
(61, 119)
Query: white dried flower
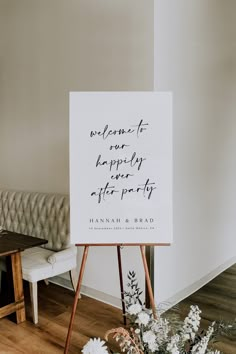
(149, 337)
(134, 309)
(161, 328)
(153, 347)
(172, 347)
(191, 323)
(95, 346)
(143, 318)
(201, 347)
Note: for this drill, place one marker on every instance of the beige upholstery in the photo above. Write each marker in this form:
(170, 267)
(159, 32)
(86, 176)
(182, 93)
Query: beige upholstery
(41, 215)
(37, 214)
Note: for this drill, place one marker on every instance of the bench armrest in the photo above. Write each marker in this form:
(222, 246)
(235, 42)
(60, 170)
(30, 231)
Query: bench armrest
(61, 255)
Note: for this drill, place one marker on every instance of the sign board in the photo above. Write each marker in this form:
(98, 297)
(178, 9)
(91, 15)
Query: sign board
(121, 167)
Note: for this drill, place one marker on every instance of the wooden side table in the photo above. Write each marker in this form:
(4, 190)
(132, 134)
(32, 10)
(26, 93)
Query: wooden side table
(18, 306)
(11, 246)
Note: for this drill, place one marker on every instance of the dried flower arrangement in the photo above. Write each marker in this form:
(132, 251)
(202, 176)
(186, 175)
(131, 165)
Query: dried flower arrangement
(163, 335)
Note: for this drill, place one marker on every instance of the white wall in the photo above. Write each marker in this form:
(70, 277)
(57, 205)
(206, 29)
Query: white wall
(51, 47)
(195, 57)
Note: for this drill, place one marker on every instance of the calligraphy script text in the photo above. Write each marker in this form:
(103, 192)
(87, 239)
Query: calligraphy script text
(107, 132)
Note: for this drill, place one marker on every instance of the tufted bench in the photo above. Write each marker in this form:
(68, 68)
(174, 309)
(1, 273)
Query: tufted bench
(45, 216)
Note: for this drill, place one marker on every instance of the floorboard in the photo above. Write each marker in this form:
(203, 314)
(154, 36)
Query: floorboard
(217, 300)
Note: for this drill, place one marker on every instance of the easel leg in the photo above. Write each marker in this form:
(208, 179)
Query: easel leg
(148, 281)
(121, 283)
(77, 293)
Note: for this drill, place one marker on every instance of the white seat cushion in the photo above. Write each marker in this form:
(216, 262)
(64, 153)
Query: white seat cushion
(35, 265)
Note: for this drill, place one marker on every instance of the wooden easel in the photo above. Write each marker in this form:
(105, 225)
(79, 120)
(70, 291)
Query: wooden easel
(81, 273)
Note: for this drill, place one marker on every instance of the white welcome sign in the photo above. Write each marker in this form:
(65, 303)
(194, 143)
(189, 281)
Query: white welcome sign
(121, 167)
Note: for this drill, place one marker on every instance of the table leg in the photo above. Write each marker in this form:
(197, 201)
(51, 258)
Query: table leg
(18, 287)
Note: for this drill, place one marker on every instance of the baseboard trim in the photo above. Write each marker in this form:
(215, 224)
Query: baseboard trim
(86, 290)
(164, 306)
(183, 294)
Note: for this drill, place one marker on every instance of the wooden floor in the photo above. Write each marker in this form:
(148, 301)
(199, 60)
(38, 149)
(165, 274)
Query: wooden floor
(217, 301)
